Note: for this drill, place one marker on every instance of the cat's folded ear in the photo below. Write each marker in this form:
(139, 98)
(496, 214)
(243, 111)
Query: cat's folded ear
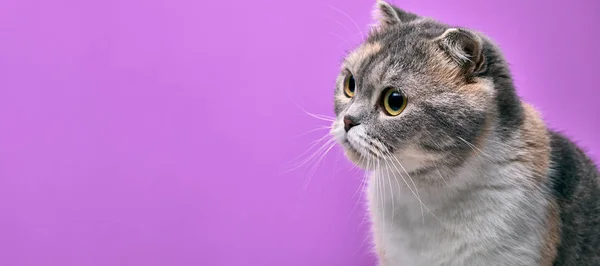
(465, 48)
(386, 15)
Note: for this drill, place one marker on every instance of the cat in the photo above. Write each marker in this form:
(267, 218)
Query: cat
(462, 171)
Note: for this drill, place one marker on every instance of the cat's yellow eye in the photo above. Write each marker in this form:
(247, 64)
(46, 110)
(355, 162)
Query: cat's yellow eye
(349, 86)
(393, 102)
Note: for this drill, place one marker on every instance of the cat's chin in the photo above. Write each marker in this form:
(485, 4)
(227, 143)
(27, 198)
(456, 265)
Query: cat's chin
(408, 159)
(362, 162)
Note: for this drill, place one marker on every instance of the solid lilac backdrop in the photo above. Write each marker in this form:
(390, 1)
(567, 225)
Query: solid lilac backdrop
(159, 132)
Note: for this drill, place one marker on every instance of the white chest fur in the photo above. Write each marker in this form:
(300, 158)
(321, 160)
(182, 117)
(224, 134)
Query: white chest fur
(493, 222)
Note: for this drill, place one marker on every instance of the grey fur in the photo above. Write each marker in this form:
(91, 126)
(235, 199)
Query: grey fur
(467, 174)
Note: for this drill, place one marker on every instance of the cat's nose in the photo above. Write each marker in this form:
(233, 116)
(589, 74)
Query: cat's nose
(350, 122)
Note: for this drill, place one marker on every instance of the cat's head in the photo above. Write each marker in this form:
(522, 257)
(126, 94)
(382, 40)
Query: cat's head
(417, 91)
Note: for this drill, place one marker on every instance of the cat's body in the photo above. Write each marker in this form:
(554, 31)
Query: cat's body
(501, 216)
(463, 172)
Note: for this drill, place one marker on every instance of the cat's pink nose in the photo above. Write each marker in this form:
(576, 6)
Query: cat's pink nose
(349, 122)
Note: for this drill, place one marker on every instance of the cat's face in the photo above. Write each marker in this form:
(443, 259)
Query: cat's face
(412, 92)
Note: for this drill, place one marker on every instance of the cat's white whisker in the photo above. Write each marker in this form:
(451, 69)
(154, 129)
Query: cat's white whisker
(319, 160)
(390, 156)
(413, 183)
(317, 116)
(366, 177)
(313, 130)
(381, 197)
(477, 150)
(341, 24)
(441, 176)
(387, 169)
(363, 183)
(349, 17)
(306, 160)
(338, 36)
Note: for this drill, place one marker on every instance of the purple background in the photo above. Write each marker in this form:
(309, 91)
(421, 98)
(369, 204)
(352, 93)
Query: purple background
(159, 132)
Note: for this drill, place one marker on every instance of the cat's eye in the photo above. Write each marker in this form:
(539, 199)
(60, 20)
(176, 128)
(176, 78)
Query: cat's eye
(349, 86)
(393, 101)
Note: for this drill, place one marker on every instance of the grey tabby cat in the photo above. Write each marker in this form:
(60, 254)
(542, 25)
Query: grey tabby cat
(462, 171)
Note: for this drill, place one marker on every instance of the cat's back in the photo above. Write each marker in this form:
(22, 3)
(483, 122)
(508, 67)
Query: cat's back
(575, 183)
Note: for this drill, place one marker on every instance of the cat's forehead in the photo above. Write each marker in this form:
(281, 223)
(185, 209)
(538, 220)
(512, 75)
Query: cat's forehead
(361, 54)
(404, 42)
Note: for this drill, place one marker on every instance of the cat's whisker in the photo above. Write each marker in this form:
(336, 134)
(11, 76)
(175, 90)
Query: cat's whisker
(474, 147)
(411, 181)
(317, 116)
(338, 36)
(360, 188)
(316, 165)
(341, 24)
(381, 197)
(390, 156)
(441, 176)
(320, 117)
(342, 43)
(313, 130)
(374, 151)
(349, 17)
(387, 168)
(358, 200)
(324, 118)
(366, 176)
(337, 161)
(364, 179)
(313, 144)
